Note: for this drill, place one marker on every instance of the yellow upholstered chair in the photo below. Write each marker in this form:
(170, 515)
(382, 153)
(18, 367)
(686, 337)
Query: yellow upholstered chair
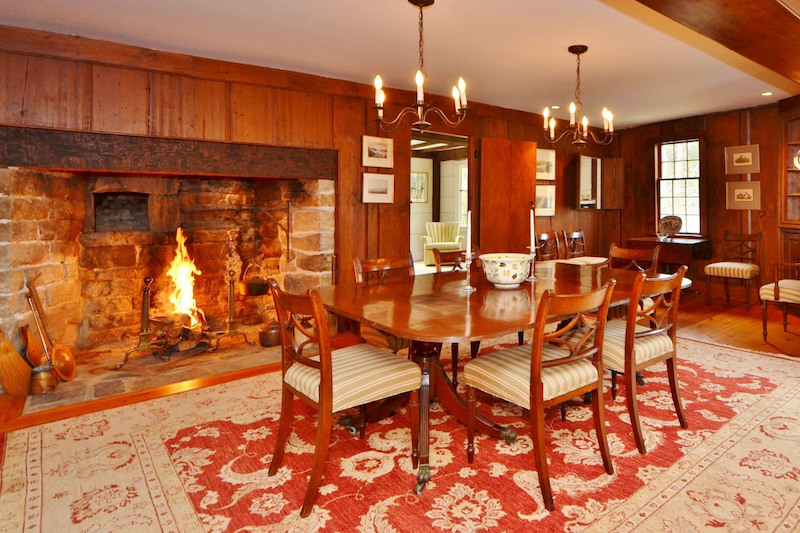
(549, 371)
(741, 263)
(783, 292)
(646, 337)
(332, 380)
(442, 236)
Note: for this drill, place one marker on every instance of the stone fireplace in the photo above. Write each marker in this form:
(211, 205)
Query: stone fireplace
(90, 240)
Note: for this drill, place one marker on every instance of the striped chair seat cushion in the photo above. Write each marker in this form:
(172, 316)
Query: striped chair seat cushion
(621, 310)
(732, 269)
(789, 291)
(645, 348)
(361, 374)
(506, 374)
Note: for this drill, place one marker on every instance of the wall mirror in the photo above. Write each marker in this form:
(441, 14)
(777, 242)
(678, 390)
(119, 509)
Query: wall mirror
(589, 179)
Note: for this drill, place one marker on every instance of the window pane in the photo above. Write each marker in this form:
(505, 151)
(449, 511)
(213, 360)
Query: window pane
(679, 188)
(694, 169)
(667, 152)
(666, 206)
(668, 170)
(680, 169)
(693, 188)
(666, 187)
(692, 224)
(680, 151)
(693, 151)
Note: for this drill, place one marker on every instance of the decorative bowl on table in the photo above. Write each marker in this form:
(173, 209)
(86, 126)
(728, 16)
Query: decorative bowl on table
(506, 270)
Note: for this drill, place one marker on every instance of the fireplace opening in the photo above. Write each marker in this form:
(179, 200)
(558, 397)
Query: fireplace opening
(121, 211)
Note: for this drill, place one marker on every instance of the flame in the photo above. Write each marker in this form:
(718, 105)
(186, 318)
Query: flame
(182, 271)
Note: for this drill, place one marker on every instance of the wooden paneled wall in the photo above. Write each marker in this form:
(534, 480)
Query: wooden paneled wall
(753, 126)
(73, 83)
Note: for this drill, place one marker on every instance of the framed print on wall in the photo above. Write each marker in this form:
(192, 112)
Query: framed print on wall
(545, 200)
(545, 164)
(378, 188)
(419, 187)
(743, 195)
(742, 159)
(377, 152)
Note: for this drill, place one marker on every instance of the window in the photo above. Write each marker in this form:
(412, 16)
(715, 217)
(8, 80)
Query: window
(463, 194)
(678, 180)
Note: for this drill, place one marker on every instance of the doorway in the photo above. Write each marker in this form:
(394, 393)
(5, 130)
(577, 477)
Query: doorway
(439, 184)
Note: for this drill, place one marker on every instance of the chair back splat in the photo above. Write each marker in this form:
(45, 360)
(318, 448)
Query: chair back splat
(559, 365)
(547, 246)
(642, 260)
(332, 380)
(574, 244)
(383, 268)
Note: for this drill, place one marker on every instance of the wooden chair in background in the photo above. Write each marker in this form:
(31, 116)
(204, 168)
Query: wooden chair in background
(575, 249)
(548, 372)
(783, 292)
(642, 260)
(741, 262)
(646, 337)
(332, 380)
(547, 246)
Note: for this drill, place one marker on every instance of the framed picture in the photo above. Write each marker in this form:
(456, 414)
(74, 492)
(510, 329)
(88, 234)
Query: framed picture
(377, 152)
(545, 164)
(545, 200)
(743, 195)
(419, 187)
(378, 188)
(742, 159)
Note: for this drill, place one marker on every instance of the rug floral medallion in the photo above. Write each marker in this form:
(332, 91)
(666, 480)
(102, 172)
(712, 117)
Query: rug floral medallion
(198, 461)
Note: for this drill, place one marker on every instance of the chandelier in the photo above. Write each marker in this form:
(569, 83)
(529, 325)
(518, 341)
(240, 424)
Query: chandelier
(579, 131)
(420, 109)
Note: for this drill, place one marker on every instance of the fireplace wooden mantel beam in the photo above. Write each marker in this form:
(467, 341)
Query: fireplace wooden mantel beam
(79, 151)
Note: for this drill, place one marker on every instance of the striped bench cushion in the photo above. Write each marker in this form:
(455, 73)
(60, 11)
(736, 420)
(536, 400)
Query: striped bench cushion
(506, 374)
(789, 291)
(645, 348)
(732, 269)
(361, 374)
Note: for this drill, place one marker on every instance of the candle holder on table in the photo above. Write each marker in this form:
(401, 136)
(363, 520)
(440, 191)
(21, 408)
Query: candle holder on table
(532, 276)
(468, 289)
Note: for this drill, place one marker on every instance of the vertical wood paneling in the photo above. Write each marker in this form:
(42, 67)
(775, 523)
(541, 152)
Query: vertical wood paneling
(395, 219)
(523, 192)
(304, 119)
(12, 87)
(495, 191)
(252, 114)
(120, 100)
(56, 94)
(185, 107)
(349, 119)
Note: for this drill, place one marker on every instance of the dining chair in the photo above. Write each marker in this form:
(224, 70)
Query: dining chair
(379, 270)
(783, 292)
(740, 262)
(332, 380)
(646, 337)
(643, 260)
(547, 246)
(548, 372)
(575, 249)
(458, 261)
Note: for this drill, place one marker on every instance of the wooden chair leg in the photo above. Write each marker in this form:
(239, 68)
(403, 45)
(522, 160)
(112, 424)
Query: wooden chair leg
(287, 400)
(674, 386)
(321, 447)
(454, 361)
(633, 411)
(474, 348)
(708, 290)
(727, 293)
(470, 423)
(614, 384)
(600, 428)
(413, 415)
(764, 319)
(540, 456)
(520, 338)
(747, 295)
(785, 316)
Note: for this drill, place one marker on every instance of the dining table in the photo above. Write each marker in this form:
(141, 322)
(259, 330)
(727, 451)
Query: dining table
(435, 309)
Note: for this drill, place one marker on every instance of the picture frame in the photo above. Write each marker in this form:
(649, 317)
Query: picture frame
(377, 152)
(545, 164)
(419, 187)
(742, 159)
(377, 188)
(743, 195)
(545, 201)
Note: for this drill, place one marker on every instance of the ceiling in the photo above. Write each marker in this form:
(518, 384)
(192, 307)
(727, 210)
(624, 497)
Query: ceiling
(643, 66)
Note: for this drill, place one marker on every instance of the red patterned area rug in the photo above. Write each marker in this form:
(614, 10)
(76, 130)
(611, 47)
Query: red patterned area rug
(198, 461)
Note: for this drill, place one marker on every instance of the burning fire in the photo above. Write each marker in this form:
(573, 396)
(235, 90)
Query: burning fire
(182, 271)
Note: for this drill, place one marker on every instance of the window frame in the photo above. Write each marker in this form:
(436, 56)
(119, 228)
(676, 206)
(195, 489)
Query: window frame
(702, 186)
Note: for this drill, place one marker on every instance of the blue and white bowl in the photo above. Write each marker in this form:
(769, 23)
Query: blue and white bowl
(506, 270)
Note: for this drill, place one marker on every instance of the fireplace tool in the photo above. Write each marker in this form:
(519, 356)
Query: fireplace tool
(232, 324)
(146, 342)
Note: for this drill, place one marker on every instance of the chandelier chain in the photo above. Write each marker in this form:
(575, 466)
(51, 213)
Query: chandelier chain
(578, 102)
(421, 59)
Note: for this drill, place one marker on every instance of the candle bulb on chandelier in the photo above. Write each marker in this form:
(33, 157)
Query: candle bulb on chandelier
(381, 99)
(462, 89)
(572, 109)
(378, 87)
(457, 99)
(420, 79)
(552, 128)
(585, 123)
(546, 115)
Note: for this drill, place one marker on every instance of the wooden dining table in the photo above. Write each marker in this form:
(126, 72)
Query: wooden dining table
(433, 309)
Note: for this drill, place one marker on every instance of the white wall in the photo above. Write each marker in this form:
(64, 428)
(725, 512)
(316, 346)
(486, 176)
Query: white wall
(420, 212)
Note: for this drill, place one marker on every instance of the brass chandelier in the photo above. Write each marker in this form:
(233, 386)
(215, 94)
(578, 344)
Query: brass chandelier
(420, 110)
(579, 131)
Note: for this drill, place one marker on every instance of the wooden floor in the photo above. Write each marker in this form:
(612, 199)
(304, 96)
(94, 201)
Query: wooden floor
(718, 323)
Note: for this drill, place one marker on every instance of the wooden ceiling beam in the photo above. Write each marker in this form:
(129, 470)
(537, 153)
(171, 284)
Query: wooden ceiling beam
(760, 30)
